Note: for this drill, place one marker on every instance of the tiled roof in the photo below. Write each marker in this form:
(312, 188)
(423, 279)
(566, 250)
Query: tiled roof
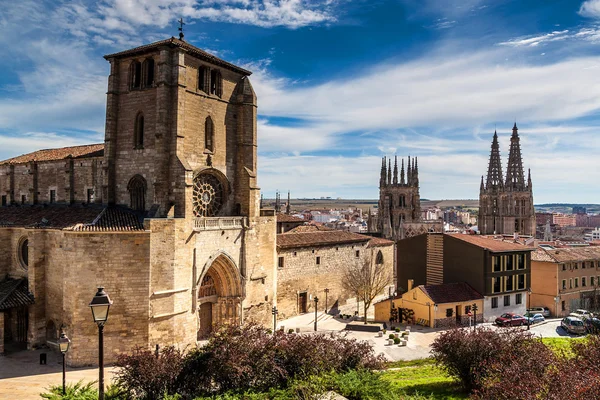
(566, 254)
(491, 244)
(95, 218)
(380, 242)
(321, 238)
(173, 42)
(14, 293)
(289, 218)
(451, 292)
(88, 150)
(309, 228)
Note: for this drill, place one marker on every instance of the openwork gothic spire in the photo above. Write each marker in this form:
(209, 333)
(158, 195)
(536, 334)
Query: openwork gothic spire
(402, 181)
(389, 177)
(494, 175)
(382, 178)
(395, 170)
(515, 177)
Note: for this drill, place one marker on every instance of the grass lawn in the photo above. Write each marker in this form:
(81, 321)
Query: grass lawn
(423, 378)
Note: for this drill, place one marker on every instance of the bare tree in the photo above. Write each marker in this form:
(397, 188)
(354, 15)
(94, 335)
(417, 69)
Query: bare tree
(367, 280)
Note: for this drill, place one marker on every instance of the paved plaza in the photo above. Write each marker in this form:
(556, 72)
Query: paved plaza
(22, 376)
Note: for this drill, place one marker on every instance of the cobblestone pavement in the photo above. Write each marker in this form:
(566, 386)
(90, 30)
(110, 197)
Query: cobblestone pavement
(22, 376)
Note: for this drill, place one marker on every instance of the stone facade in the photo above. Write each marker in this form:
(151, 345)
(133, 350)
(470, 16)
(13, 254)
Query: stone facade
(306, 268)
(506, 206)
(179, 154)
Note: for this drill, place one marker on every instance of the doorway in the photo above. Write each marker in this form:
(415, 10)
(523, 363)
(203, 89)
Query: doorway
(303, 302)
(206, 320)
(458, 316)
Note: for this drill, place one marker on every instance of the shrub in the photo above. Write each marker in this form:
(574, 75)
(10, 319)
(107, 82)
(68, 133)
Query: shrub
(391, 336)
(290, 330)
(397, 329)
(77, 391)
(144, 375)
(396, 340)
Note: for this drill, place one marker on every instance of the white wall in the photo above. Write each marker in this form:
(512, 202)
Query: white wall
(490, 314)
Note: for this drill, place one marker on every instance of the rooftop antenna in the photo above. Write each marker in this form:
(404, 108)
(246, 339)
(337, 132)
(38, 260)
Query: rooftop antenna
(181, 24)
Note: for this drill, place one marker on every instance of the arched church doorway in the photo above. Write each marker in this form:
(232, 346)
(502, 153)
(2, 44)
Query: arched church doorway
(219, 296)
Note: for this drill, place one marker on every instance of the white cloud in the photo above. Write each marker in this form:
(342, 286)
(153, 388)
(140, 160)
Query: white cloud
(536, 40)
(590, 9)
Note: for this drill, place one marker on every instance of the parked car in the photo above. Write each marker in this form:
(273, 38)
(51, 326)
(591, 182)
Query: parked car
(511, 319)
(545, 311)
(573, 325)
(592, 325)
(534, 318)
(582, 314)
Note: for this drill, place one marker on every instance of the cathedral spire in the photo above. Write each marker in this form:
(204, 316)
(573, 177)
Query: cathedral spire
(416, 179)
(395, 170)
(389, 174)
(494, 175)
(529, 178)
(382, 178)
(287, 206)
(515, 178)
(409, 173)
(482, 186)
(402, 181)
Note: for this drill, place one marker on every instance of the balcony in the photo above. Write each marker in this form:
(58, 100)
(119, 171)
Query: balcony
(219, 223)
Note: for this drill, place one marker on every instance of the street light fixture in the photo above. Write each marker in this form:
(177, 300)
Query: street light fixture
(274, 311)
(63, 344)
(326, 293)
(100, 306)
(316, 302)
(392, 297)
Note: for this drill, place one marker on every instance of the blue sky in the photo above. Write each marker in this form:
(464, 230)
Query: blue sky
(340, 84)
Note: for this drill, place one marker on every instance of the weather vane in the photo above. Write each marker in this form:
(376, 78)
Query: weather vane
(181, 24)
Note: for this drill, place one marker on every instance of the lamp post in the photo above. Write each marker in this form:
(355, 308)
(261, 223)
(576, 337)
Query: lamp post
(63, 344)
(326, 293)
(392, 297)
(316, 302)
(528, 306)
(100, 305)
(474, 308)
(274, 311)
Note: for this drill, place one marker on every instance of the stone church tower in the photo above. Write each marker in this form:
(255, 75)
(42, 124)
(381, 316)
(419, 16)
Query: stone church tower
(399, 199)
(506, 205)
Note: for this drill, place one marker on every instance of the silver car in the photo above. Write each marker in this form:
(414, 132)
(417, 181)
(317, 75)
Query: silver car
(573, 325)
(534, 318)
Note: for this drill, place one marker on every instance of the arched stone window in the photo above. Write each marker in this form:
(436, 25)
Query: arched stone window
(402, 202)
(208, 196)
(137, 193)
(379, 258)
(135, 75)
(148, 72)
(209, 134)
(23, 253)
(203, 78)
(138, 131)
(216, 83)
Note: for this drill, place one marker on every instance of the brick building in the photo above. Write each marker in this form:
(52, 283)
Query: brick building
(566, 278)
(165, 214)
(498, 268)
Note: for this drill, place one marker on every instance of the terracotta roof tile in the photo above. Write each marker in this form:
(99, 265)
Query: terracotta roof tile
(321, 238)
(380, 242)
(491, 244)
(289, 218)
(14, 293)
(309, 228)
(567, 254)
(184, 45)
(75, 218)
(88, 150)
(451, 292)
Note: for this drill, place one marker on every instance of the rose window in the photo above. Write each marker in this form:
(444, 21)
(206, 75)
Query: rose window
(208, 196)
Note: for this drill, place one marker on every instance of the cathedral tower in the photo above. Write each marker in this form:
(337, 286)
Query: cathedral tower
(506, 206)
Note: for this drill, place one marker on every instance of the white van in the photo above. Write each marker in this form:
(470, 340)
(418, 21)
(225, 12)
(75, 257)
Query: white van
(545, 311)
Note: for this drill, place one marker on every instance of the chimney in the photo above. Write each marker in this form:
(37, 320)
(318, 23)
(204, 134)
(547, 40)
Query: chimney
(411, 282)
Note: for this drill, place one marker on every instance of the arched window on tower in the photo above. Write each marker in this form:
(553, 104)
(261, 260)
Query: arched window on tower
(137, 193)
(203, 78)
(216, 83)
(402, 202)
(148, 72)
(209, 134)
(379, 258)
(138, 131)
(135, 75)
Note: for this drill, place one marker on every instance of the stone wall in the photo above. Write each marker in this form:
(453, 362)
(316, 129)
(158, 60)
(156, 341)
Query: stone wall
(302, 274)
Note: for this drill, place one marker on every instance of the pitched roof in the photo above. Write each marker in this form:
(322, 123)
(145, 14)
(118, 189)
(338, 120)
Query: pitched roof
(380, 242)
(310, 228)
(566, 254)
(14, 293)
(174, 42)
(319, 238)
(289, 218)
(85, 151)
(451, 292)
(92, 218)
(494, 245)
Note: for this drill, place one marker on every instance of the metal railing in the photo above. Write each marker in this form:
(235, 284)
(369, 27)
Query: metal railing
(219, 223)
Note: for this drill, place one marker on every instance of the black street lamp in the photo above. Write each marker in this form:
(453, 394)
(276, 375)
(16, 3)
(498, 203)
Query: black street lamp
(528, 306)
(100, 305)
(474, 308)
(326, 293)
(316, 302)
(63, 344)
(274, 311)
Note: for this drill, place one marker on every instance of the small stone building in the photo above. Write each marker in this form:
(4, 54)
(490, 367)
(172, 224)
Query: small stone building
(312, 259)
